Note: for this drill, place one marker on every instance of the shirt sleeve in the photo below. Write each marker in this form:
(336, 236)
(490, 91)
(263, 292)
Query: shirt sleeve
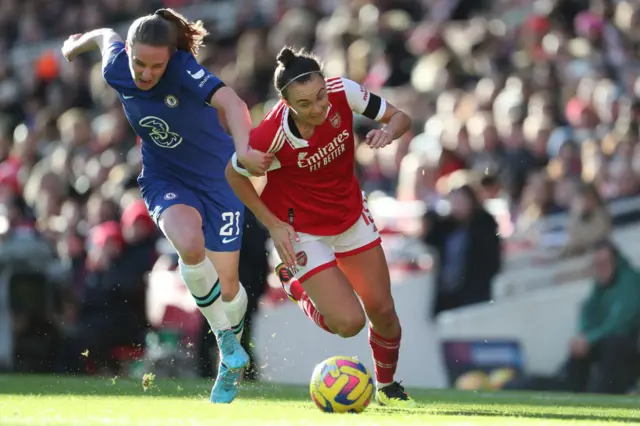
(263, 141)
(109, 62)
(199, 81)
(364, 102)
(275, 165)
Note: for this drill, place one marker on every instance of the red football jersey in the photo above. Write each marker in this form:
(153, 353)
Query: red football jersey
(312, 183)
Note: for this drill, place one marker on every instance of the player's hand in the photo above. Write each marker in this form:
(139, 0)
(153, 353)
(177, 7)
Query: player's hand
(70, 47)
(282, 235)
(255, 162)
(378, 138)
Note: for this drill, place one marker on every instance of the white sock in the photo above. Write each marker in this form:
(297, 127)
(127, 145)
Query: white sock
(382, 385)
(202, 281)
(236, 309)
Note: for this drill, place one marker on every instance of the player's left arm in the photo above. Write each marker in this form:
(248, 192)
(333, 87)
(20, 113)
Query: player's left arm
(239, 120)
(214, 92)
(372, 106)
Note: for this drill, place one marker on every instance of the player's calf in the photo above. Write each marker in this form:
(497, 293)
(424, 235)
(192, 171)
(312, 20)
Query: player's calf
(236, 310)
(201, 280)
(226, 264)
(233, 295)
(348, 325)
(384, 339)
(295, 292)
(230, 283)
(385, 351)
(383, 316)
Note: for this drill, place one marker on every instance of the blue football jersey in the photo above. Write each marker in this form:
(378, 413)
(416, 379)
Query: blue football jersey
(182, 139)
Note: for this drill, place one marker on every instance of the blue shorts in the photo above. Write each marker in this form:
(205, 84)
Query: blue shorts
(221, 211)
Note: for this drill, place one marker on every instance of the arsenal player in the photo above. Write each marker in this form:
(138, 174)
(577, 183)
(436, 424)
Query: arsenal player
(316, 212)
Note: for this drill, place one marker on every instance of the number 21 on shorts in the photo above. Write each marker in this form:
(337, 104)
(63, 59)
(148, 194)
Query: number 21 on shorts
(230, 231)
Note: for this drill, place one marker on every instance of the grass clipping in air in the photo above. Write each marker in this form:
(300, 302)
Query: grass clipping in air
(147, 381)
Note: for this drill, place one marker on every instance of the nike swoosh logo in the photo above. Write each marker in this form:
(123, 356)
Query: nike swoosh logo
(127, 97)
(228, 240)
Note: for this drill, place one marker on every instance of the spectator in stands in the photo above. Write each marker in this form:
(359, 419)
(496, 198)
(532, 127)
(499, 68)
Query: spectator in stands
(538, 203)
(468, 248)
(589, 221)
(140, 235)
(25, 259)
(489, 187)
(112, 306)
(609, 328)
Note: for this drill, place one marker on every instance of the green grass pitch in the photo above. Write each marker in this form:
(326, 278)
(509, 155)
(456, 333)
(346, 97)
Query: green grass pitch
(48, 400)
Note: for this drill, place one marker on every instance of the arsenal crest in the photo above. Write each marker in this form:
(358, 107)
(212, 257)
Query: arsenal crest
(335, 120)
(301, 259)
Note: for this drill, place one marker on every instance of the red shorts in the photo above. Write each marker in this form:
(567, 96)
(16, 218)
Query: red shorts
(317, 253)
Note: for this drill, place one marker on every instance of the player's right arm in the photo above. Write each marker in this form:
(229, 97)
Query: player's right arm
(281, 232)
(101, 39)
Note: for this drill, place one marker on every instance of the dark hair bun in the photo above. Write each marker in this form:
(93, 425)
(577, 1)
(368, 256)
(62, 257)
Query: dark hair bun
(286, 56)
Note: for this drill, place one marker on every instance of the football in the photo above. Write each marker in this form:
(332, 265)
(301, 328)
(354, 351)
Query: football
(341, 384)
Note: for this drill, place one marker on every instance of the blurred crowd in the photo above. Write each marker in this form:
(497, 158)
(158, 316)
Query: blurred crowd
(536, 103)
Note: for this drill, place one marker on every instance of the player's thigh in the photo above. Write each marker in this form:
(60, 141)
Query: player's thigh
(361, 258)
(178, 213)
(223, 226)
(328, 288)
(368, 274)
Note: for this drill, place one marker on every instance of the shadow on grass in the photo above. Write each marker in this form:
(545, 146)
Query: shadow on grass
(510, 412)
(605, 416)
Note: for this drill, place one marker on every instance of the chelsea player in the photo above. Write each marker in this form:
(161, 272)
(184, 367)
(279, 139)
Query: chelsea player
(172, 103)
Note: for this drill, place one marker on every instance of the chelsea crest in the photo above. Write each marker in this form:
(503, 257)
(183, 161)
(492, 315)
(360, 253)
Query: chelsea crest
(171, 101)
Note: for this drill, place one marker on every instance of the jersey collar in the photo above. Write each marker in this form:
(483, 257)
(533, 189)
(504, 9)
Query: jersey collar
(296, 142)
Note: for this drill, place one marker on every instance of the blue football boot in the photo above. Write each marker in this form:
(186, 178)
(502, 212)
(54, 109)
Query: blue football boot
(225, 388)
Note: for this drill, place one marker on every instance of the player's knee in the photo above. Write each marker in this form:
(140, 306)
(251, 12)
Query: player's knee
(350, 325)
(190, 247)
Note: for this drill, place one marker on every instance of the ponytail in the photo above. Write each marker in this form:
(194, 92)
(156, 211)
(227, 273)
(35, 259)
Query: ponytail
(189, 35)
(166, 27)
